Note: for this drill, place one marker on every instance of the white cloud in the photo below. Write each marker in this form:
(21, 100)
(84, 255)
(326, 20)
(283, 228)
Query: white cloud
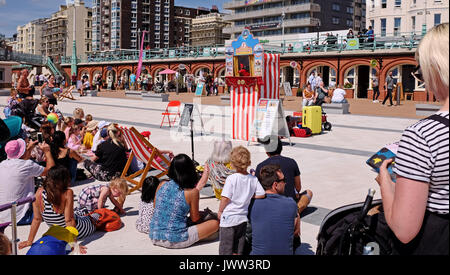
(2, 2)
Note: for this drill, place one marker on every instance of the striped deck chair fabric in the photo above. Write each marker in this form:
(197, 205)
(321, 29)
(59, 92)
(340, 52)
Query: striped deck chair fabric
(145, 152)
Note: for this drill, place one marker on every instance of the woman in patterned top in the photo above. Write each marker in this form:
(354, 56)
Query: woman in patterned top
(416, 206)
(54, 206)
(149, 187)
(174, 201)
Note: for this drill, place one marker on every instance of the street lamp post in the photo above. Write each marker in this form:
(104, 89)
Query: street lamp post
(73, 66)
(283, 15)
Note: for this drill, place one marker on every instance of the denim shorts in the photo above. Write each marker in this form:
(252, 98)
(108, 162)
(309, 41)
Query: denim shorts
(193, 238)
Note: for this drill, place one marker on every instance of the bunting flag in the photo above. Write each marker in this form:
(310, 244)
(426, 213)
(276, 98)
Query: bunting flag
(244, 100)
(139, 68)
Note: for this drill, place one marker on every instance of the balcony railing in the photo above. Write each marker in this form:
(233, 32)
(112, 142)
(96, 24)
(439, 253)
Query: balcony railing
(405, 41)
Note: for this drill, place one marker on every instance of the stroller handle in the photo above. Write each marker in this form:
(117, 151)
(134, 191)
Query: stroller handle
(367, 204)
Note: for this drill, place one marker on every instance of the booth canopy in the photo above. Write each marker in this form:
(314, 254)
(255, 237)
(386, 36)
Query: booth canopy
(167, 71)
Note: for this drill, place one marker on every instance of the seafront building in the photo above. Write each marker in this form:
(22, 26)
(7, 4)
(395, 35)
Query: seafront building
(396, 17)
(118, 24)
(29, 37)
(58, 32)
(207, 30)
(290, 17)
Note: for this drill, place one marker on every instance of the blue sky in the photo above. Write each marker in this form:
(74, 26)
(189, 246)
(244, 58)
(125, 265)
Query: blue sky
(20, 12)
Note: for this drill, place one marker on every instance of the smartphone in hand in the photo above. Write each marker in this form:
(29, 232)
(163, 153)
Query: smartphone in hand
(387, 152)
(40, 137)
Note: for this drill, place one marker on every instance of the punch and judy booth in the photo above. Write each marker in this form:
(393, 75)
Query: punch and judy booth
(251, 74)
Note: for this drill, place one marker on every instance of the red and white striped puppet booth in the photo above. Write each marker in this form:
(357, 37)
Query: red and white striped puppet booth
(251, 74)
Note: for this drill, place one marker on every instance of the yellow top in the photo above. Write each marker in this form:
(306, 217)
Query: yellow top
(88, 140)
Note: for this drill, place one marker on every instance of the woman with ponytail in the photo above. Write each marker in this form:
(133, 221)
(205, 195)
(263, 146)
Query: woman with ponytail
(110, 157)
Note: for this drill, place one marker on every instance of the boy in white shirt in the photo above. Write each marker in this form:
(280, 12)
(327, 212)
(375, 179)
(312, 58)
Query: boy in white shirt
(237, 192)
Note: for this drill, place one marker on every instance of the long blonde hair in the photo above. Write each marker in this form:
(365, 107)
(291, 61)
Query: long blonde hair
(432, 56)
(114, 133)
(120, 184)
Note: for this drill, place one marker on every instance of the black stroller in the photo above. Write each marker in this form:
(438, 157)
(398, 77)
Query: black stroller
(158, 87)
(356, 229)
(26, 109)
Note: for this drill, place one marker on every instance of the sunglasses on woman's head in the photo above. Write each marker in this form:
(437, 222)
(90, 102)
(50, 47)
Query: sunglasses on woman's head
(417, 74)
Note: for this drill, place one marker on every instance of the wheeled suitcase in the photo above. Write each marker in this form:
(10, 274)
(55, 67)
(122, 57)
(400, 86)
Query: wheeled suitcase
(312, 118)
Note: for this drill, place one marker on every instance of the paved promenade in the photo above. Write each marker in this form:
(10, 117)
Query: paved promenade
(332, 165)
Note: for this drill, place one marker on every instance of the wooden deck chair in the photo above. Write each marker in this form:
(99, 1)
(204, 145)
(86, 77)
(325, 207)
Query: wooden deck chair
(172, 109)
(66, 94)
(144, 151)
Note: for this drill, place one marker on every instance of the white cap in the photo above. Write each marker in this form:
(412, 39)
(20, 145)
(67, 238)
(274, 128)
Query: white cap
(103, 124)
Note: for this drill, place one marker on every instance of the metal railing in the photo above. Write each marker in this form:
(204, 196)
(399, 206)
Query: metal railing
(406, 41)
(26, 58)
(13, 207)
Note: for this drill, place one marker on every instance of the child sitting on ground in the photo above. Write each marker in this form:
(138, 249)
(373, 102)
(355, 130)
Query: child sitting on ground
(149, 187)
(67, 125)
(12, 103)
(91, 130)
(88, 118)
(237, 192)
(76, 135)
(78, 113)
(94, 197)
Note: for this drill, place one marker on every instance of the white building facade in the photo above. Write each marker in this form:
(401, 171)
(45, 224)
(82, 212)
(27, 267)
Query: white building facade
(398, 17)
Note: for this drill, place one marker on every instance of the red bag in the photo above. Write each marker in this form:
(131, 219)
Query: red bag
(302, 132)
(108, 221)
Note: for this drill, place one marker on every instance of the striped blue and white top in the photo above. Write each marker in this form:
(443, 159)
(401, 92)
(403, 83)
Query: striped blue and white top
(423, 155)
(84, 224)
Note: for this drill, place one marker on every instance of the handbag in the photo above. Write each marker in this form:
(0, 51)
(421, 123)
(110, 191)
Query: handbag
(108, 220)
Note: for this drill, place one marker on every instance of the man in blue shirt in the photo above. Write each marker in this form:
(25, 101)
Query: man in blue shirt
(370, 35)
(274, 219)
(290, 169)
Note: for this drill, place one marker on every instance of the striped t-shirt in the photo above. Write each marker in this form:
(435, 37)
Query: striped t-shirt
(423, 155)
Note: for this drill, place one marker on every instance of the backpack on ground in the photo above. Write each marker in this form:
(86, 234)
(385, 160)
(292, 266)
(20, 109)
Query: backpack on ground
(108, 220)
(302, 132)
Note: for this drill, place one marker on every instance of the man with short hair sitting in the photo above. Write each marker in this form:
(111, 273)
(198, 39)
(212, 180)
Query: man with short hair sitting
(275, 220)
(289, 167)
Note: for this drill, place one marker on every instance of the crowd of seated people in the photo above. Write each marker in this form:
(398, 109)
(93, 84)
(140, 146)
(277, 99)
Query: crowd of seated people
(48, 167)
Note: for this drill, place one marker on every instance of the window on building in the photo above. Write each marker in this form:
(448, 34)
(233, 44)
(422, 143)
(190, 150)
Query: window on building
(437, 19)
(413, 23)
(383, 4)
(336, 7)
(349, 23)
(2, 74)
(397, 23)
(383, 26)
(335, 20)
(350, 10)
(398, 3)
(350, 76)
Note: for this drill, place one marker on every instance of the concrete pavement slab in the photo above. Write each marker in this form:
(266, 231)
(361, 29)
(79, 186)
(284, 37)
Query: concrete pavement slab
(332, 165)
